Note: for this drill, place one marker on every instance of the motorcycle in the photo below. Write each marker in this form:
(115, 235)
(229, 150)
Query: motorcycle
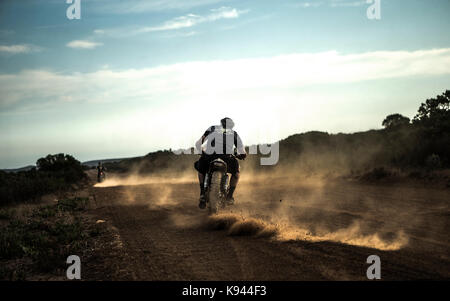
(217, 183)
(101, 177)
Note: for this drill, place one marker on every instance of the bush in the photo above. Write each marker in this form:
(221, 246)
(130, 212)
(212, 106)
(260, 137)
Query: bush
(53, 173)
(433, 162)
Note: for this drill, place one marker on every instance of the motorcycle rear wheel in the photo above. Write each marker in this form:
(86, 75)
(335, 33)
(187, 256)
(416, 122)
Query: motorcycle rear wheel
(215, 193)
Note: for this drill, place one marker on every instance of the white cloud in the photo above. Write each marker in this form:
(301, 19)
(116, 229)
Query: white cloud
(346, 3)
(192, 20)
(20, 48)
(228, 78)
(83, 44)
(331, 3)
(142, 6)
(307, 4)
(181, 34)
(186, 21)
(99, 31)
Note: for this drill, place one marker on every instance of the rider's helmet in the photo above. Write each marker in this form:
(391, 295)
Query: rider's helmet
(227, 123)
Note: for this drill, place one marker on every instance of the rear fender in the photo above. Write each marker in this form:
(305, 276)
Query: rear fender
(217, 165)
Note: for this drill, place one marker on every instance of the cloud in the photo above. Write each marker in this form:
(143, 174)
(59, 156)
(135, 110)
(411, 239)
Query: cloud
(293, 92)
(143, 6)
(192, 20)
(181, 34)
(182, 22)
(346, 3)
(307, 4)
(193, 80)
(330, 3)
(19, 48)
(83, 44)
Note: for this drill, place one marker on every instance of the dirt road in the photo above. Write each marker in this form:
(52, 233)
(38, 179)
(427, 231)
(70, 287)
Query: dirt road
(304, 230)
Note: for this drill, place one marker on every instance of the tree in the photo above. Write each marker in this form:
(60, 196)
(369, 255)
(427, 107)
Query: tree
(395, 121)
(57, 162)
(61, 166)
(434, 114)
(433, 122)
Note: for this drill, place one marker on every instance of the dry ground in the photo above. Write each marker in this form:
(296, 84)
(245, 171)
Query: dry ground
(280, 229)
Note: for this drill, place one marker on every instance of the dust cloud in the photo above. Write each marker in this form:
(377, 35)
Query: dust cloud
(237, 225)
(317, 209)
(241, 226)
(135, 179)
(291, 204)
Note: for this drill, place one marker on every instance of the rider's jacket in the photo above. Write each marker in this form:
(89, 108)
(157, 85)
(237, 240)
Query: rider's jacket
(219, 140)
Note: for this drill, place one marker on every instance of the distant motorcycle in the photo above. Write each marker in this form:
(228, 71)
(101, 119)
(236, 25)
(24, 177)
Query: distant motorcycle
(216, 185)
(101, 177)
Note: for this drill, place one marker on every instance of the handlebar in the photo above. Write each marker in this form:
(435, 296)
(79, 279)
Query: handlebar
(232, 155)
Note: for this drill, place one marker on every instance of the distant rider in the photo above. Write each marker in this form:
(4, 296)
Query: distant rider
(221, 142)
(100, 169)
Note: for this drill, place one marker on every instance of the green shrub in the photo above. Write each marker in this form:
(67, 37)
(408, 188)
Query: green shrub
(53, 173)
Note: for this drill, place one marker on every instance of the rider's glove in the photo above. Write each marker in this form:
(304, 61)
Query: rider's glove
(241, 156)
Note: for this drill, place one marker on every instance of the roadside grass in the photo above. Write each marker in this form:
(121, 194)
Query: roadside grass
(74, 204)
(6, 214)
(46, 237)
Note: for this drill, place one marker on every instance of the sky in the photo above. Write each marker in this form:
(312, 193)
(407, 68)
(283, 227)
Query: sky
(131, 77)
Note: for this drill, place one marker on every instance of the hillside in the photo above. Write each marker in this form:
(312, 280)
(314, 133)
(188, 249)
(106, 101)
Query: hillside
(25, 168)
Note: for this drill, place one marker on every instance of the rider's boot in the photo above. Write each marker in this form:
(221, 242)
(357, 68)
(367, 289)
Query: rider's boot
(230, 198)
(202, 200)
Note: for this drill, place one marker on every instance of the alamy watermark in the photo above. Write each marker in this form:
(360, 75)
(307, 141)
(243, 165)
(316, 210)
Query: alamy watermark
(223, 140)
(272, 150)
(74, 9)
(74, 270)
(374, 270)
(374, 10)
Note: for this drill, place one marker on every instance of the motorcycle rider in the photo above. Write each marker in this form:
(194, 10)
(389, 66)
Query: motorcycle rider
(221, 142)
(100, 169)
